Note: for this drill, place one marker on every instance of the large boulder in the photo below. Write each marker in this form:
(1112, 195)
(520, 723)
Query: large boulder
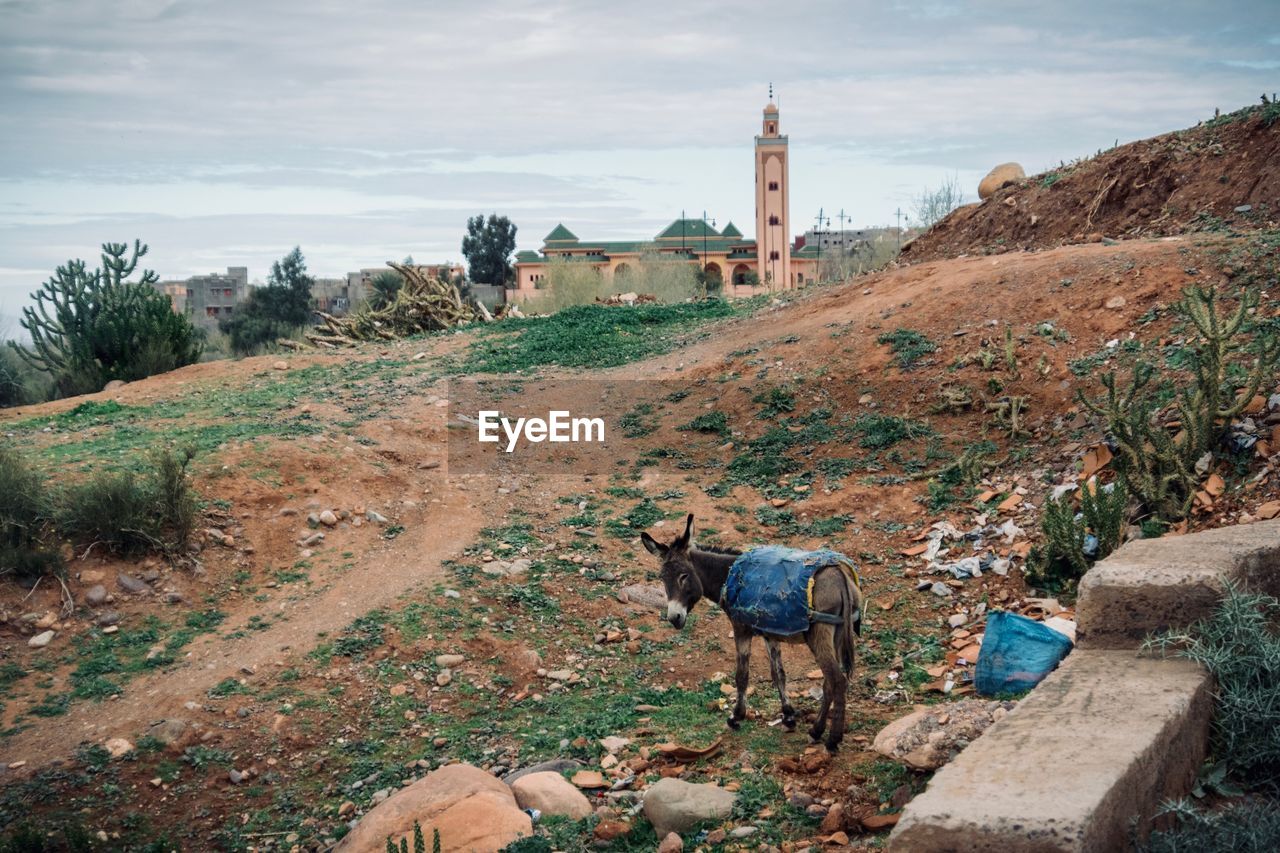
(550, 794)
(929, 737)
(1001, 176)
(675, 806)
(471, 809)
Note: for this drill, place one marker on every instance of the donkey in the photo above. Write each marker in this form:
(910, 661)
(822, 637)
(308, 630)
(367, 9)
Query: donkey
(690, 573)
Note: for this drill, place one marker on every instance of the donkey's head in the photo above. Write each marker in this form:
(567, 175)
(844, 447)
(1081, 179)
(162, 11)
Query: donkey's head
(681, 580)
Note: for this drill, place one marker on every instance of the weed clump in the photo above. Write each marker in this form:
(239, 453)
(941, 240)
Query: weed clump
(26, 510)
(908, 346)
(879, 431)
(130, 513)
(1073, 541)
(711, 422)
(1240, 646)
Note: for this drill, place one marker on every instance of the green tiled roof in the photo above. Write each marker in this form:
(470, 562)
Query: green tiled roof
(688, 229)
(528, 256)
(560, 234)
(810, 250)
(731, 230)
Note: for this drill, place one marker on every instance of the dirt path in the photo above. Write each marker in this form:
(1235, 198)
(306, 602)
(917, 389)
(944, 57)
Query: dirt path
(414, 559)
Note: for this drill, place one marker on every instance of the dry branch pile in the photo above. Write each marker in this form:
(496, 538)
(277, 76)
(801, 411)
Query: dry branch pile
(422, 305)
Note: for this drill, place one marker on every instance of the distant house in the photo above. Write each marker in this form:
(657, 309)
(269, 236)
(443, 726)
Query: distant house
(208, 298)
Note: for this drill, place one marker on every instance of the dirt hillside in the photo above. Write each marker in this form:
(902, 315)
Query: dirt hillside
(1220, 174)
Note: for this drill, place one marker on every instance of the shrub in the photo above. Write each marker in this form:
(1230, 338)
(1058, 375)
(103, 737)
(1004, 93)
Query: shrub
(1240, 646)
(1065, 556)
(89, 327)
(25, 512)
(130, 513)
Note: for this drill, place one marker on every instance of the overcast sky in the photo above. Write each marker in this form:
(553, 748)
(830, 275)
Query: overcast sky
(224, 132)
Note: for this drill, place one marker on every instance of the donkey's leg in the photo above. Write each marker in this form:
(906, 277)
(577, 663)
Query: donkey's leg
(818, 638)
(742, 673)
(780, 682)
(834, 684)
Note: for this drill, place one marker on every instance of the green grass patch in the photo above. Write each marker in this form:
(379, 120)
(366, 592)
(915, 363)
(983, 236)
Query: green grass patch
(592, 336)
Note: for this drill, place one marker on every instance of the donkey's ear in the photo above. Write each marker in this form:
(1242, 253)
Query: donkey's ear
(653, 546)
(687, 536)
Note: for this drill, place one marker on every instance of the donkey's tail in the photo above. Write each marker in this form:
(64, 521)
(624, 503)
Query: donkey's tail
(852, 626)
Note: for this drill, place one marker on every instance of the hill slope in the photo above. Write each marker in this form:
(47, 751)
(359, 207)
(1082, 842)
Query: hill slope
(1219, 174)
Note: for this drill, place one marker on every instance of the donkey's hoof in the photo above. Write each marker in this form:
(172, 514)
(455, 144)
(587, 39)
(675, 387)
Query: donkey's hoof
(734, 723)
(815, 735)
(833, 745)
(789, 723)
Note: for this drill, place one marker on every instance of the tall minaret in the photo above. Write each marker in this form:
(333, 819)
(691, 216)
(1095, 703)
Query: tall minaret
(773, 194)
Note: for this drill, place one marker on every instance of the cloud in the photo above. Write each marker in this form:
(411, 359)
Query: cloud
(202, 127)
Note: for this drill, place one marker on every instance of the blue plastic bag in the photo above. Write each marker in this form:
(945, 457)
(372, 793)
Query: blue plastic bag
(1017, 653)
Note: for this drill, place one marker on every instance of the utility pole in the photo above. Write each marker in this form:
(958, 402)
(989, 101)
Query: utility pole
(818, 233)
(682, 231)
(898, 214)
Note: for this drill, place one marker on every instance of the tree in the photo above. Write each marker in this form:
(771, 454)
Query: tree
(383, 288)
(276, 310)
(488, 247)
(932, 205)
(89, 327)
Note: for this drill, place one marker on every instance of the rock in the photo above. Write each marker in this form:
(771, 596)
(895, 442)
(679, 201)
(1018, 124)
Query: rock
(717, 836)
(742, 832)
(132, 585)
(673, 843)
(1001, 176)
(95, 595)
(834, 821)
(675, 806)
(91, 576)
(588, 779)
(1116, 302)
(929, 737)
(519, 567)
(39, 641)
(168, 732)
(800, 800)
(107, 618)
(556, 765)
(376, 518)
(607, 830)
(443, 677)
(118, 747)
(328, 519)
(550, 794)
(646, 595)
(449, 661)
(613, 743)
(113, 385)
(281, 365)
(471, 809)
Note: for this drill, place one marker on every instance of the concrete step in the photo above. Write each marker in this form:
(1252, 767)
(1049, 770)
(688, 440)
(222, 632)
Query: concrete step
(1151, 585)
(1105, 738)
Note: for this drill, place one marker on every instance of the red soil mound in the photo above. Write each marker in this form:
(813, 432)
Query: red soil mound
(1220, 174)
